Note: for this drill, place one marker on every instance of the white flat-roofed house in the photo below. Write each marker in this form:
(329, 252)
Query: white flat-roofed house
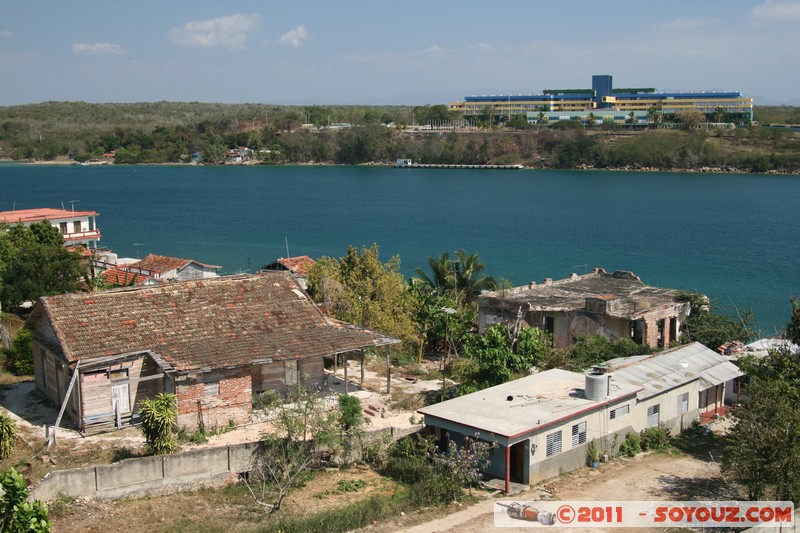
(543, 423)
(76, 227)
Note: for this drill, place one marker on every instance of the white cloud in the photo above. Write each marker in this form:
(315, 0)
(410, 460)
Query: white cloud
(97, 49)
(295, 37)
(483, 47)
(779, 10)
(223, 32)
(5, 34)
(686, 23)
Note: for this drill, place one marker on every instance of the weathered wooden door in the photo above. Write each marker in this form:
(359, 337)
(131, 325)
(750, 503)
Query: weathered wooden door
(121, 398)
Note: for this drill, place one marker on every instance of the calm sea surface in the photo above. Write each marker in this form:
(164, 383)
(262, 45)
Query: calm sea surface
(733, 237)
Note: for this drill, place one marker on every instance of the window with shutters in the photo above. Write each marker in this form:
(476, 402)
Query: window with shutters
(619, 412)
(212, 388)
(553, 444)
(683, 403)
(578, 434)
(653, 415)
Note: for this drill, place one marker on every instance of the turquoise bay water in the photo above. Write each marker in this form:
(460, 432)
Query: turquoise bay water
(733, 237)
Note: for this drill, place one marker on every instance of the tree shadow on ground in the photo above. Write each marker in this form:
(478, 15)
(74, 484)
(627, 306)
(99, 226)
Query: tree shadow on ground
(699, 443)
(694, 488)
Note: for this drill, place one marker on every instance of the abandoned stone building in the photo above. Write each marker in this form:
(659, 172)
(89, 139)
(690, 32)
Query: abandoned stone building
(616, 305)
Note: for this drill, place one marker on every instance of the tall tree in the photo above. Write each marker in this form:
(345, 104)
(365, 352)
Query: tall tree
(359, 288)
(461, 274)
(34, 263)
(763, 451)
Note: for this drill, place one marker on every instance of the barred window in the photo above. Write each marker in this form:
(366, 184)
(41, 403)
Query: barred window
(683, 402)
(619, 412)
(578, 434)
(553, 444)
(653, 415)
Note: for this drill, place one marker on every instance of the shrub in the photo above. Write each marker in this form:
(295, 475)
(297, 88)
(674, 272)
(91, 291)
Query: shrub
(8, 435)
(18, 514)
(350, 409)
(158, 417)
(631, 445)
(408, 460)
(655, 438)
(592, 455)
(20, 354)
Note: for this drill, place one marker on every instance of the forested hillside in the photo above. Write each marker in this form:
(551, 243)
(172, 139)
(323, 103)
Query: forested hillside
(167, 132)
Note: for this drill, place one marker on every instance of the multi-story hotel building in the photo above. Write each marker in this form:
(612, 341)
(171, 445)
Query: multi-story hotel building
(602, 97)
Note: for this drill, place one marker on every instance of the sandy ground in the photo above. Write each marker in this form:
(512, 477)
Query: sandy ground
(31, 410)
(651, 476)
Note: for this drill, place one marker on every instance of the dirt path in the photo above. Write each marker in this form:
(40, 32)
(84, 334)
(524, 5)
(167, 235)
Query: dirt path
(654, 476)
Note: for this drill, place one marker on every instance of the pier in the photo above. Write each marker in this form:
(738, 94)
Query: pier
(407, 163)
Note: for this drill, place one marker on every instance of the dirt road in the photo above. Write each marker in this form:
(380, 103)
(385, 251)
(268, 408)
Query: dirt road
(653, 476)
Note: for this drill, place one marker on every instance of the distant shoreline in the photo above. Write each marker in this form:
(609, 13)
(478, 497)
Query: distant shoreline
(698, 170)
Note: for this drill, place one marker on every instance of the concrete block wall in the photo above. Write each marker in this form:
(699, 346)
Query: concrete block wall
(163, 473)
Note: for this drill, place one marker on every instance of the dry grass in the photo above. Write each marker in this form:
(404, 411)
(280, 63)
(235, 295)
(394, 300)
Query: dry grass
(229, 508)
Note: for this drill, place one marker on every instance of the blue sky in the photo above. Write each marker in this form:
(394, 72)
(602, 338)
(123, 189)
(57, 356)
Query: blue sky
(374, 52)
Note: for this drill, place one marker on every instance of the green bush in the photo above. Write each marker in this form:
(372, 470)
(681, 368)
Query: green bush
(592, 455)
(408, 460)
(8, 435)
(20, 354)
(631, 445)
(16, 513)
(654, 438)
(158, 416)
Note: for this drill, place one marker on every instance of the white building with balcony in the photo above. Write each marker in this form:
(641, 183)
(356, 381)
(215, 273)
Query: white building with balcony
(76, 227)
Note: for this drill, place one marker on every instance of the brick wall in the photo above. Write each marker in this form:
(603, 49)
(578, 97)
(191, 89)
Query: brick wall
(218, 397)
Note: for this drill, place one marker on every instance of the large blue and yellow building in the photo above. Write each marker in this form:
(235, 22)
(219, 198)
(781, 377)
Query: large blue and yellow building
(603, 99)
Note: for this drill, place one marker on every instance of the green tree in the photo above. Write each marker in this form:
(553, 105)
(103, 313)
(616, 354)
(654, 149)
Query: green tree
(793, 327)
(763, 449)
(461, 274)
(500, 355)
(588, 351)
(18, 515)
(35, 263)
(159, 416)
(711, 329)
(653, 115)
(20, 353)
(359, 288)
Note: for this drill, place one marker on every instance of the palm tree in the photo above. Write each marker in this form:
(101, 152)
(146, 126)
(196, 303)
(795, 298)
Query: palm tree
(653, 115)
(469, 282)
(442, 277)
(460, 275)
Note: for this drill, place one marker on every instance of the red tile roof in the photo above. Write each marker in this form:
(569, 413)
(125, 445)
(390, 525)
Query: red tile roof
(161, 263)
(300, 265)
(210, 323)
(35, 215)
(122, 277)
